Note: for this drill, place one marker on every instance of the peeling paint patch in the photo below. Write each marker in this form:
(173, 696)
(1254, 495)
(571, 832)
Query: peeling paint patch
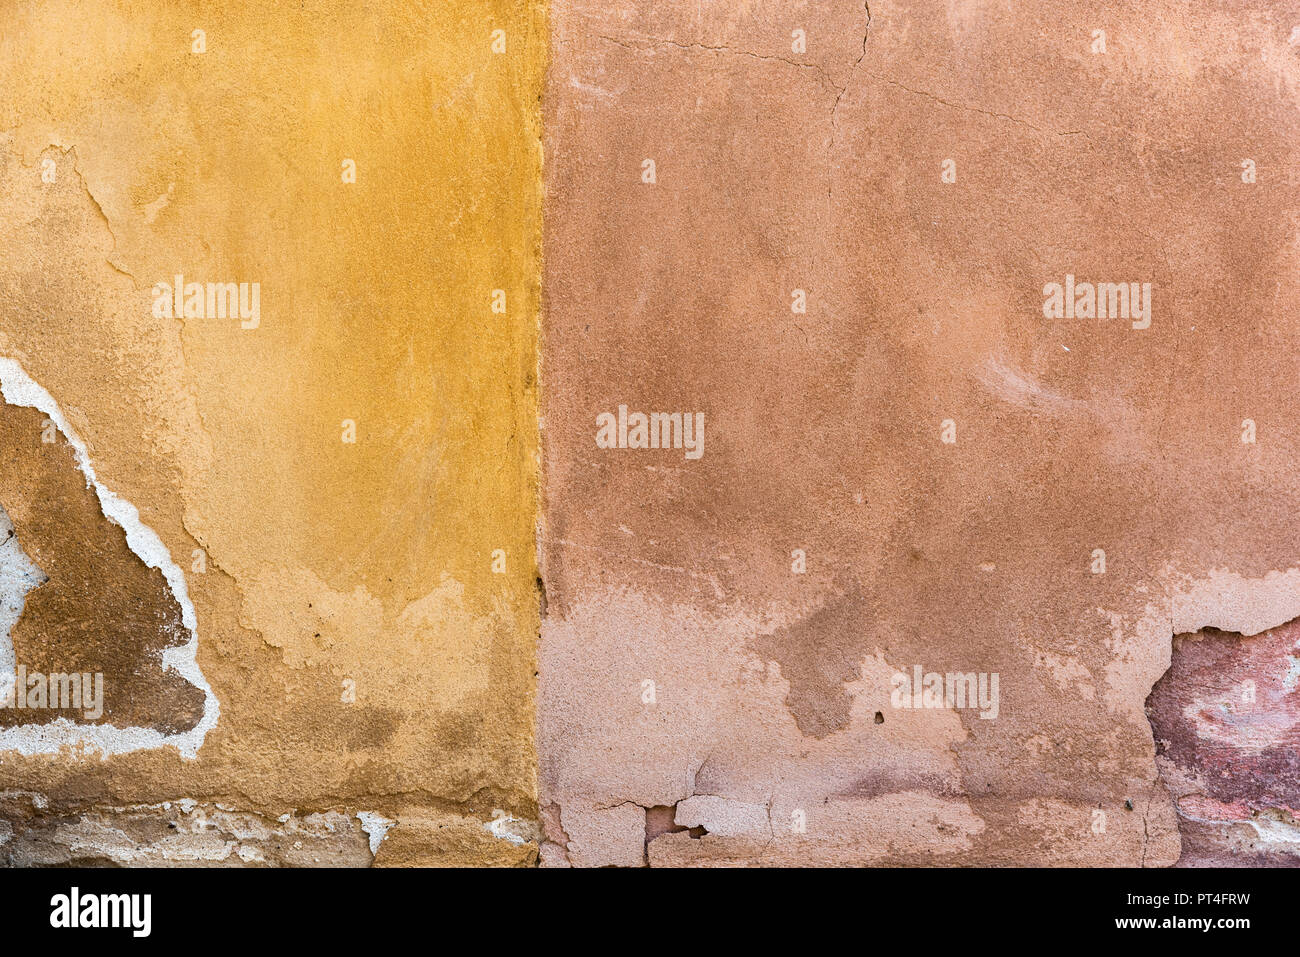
(21, 390)
(1227, 733)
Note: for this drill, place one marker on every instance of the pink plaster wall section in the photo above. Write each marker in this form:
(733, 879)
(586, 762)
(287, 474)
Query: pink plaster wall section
(844, 260)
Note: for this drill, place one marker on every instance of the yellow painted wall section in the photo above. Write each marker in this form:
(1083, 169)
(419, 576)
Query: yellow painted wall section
(399, 310)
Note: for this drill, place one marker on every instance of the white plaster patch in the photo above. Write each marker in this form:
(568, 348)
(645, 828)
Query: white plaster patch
(1292, 676)
(500, 827)
(376, 827)
(1273, 830)
(18, 388)
(18, 576)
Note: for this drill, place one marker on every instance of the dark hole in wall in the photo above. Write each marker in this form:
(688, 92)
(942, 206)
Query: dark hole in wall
(661, 819)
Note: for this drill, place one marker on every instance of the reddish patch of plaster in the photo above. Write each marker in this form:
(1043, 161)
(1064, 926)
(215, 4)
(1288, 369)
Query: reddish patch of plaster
(1226, 720)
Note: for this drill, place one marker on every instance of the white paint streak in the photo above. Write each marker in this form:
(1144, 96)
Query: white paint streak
(18, 388)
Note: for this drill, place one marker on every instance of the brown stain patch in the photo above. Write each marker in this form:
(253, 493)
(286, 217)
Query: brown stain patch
(102, 609)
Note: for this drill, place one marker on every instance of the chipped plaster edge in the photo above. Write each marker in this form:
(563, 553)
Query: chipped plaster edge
(1228, 601)
(19, 389)
(376, 827)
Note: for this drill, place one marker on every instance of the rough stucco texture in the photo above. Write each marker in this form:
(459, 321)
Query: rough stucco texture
(368, 650)
(949, 454)
(965, 532)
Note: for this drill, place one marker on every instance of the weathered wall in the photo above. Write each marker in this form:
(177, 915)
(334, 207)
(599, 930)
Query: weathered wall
(945, 456)
(362, 651)
(300, 540)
